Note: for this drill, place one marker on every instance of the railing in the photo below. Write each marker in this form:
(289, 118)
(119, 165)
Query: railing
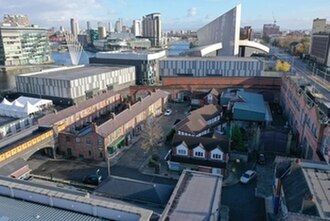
(31, 143)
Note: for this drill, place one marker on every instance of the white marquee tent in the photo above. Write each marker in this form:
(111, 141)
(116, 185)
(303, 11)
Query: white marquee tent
(22, 106)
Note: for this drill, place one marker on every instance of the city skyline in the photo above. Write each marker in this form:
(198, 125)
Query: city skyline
(182, 15)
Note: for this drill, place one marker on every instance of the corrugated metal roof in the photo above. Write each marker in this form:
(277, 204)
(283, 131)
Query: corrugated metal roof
(252, 102)
(18, 210)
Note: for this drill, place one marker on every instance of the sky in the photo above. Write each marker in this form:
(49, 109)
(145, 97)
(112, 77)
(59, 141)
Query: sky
(176, 14)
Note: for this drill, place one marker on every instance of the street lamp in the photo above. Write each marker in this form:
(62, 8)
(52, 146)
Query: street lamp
(108, 163)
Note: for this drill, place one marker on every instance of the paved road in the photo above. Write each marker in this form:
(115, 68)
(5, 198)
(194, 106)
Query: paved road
(243, 204)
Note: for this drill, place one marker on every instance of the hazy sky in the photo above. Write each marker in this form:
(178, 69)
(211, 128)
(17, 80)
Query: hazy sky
(176, 14)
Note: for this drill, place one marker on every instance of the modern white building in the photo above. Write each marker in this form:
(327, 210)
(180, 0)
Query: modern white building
(23, 46)
(102, 32)
(225, 29)
(75, 84)
(152, 29)
(137, 27)
(146, 63)
(210, 66)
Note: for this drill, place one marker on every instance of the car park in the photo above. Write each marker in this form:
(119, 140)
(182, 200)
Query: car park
(248, 176)
(168, 112)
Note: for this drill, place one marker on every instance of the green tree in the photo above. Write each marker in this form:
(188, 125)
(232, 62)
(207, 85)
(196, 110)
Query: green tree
(237, 139)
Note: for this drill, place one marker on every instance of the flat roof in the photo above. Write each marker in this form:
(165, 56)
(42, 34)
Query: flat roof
(33, 190)
(215, 58)
(131, 55)
(196, 197)
(76, 72)
(318, 181)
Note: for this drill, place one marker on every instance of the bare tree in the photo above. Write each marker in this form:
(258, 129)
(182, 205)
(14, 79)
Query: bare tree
(152, 135)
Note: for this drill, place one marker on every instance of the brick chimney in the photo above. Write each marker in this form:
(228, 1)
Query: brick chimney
(94, 127)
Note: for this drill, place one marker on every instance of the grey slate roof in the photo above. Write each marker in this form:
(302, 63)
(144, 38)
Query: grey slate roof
(295, 189)
(207, 142)
(19, 210)
(110, 126)
(51, 119)
(135, 190)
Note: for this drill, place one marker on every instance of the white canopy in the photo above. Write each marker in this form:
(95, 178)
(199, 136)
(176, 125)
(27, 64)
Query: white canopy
(22, 107)
(37, 102)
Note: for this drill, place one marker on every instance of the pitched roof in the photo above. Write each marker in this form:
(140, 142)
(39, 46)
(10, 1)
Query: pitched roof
(208, 143)
(111, 125)
(137, 190)
(51, 119)
(296, 189)
(197, 120)
(197, 161)
(214, 92)
(251, 102)
(198, 94)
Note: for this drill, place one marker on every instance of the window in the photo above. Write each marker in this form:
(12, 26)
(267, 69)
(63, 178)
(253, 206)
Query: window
(67, 138)
(77, 140)
(88, 141)
(18, 126)
(89, 153)
(199, 154)
(100, 142)
(217, 156)
(182, 152)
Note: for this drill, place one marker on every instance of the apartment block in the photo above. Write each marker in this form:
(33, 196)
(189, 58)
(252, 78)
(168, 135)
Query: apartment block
(308, 116)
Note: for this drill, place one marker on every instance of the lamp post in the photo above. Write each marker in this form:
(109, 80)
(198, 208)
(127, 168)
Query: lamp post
(109, 165)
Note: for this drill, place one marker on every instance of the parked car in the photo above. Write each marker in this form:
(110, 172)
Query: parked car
(168, 112)
(261, 159)
(248, 176)
(92, 179)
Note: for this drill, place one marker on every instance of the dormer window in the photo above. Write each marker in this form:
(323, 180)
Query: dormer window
(182, 149)
(216, 154)
(199, 152)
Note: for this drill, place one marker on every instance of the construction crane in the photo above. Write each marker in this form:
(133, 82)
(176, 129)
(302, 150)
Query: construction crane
(274, 18)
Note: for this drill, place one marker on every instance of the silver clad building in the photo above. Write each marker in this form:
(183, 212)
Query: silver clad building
(224, 29)
(145, 62)
(75, 84)
(210, 66)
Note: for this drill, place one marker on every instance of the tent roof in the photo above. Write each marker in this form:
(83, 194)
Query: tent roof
(34, 101)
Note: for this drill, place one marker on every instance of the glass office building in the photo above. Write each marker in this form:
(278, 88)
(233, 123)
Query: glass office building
(23, 46)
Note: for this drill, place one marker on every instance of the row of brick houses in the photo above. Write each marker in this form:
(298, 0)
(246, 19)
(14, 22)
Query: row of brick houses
(196, 144)
(308, 116)
(80, 114)
(98, 140)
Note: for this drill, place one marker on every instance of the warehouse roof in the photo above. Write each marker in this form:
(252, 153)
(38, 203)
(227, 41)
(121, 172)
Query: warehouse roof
(76, 72)
(19, 210)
